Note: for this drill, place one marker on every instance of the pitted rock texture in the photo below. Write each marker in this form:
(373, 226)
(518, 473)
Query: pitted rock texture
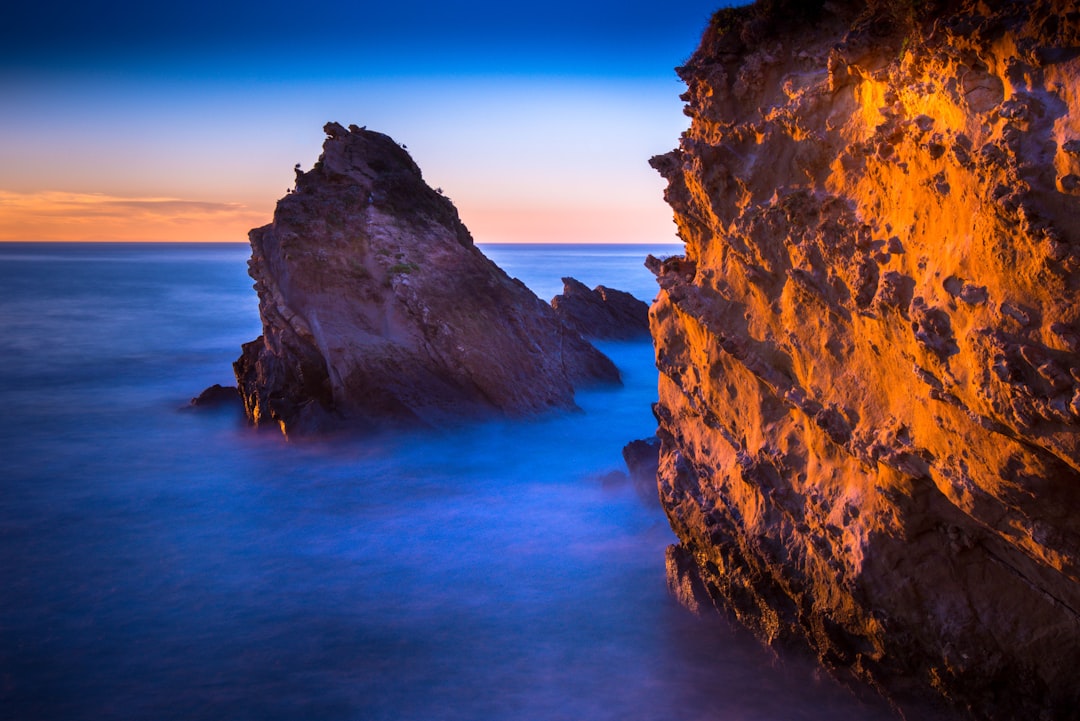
(378, 310)
(602, 313)
(869, 356)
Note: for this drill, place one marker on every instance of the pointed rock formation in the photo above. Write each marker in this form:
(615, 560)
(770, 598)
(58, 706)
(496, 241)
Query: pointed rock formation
(378, 309)
(870, 354)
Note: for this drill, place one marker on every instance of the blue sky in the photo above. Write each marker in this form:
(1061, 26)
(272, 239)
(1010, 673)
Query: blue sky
(161, 122)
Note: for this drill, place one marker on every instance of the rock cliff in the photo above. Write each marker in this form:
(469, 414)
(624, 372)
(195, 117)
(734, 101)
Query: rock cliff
(378, 309)
(869, 355)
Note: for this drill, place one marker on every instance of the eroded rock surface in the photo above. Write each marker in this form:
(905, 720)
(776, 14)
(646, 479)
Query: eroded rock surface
(603, 313)
(870, 381)
(379, 310)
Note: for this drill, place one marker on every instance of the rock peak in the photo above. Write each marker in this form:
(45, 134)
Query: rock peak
(378, 309)
(383, 172)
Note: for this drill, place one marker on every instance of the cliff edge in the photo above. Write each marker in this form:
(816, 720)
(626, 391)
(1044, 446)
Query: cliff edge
(379, 310)
(869, 398)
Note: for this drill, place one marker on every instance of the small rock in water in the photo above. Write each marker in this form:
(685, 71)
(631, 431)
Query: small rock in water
(643, 461)
(218, 396)
(601, 312)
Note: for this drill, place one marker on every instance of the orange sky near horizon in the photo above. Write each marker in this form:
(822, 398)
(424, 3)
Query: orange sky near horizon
(534, 159)
(55, 216)
(67, 216)
(131, 122)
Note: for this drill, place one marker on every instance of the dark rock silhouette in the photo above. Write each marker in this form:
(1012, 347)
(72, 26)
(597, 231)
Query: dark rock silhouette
(642, 459)
(378, 310)
(602, 313)
(218, 396)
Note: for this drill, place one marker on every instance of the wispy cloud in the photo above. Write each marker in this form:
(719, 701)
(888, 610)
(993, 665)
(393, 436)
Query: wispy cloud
(59, 215)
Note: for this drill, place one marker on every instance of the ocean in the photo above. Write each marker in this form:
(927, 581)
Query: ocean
(158, 563)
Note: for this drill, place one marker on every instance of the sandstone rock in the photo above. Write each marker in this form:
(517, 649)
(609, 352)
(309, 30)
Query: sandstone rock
(870, 435)
(601, 312)
(379, 310)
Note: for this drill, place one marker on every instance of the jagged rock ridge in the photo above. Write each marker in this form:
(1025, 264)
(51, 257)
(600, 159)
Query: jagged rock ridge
(379, 310)
(870, 354)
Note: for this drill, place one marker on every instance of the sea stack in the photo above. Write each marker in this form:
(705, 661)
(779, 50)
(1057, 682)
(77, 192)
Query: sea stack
(869, 399)
(379, 311)
(602, 313)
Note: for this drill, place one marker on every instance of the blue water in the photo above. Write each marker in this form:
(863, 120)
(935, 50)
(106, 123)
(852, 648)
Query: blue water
(161, 564)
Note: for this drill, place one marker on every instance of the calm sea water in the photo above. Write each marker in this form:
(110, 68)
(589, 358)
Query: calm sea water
(162, 564)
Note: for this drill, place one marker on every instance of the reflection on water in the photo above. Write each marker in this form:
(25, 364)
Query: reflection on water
(162, 564)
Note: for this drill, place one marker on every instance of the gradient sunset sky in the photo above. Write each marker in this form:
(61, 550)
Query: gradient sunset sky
(183, 121)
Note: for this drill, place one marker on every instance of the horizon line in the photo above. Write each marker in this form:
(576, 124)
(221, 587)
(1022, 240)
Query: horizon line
(245, 242)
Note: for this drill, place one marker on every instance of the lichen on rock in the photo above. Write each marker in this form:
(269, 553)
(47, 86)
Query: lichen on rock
(378, 310)
(869, 360)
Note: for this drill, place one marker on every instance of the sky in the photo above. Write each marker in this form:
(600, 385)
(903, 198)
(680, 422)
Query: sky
(183, 122)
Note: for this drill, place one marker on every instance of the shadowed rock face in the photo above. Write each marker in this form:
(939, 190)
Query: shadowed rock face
(601, 312)
(378, 310)
(869, 394)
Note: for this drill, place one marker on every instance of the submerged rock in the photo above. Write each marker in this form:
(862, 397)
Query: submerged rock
(642, 459)
(218, 396)
(603, 313)
(869, 397)
(379, 310)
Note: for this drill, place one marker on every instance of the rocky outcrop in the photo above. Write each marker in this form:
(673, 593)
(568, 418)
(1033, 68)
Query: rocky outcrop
(217, 396)
(602, 313)
(379, 310)
(869, 399)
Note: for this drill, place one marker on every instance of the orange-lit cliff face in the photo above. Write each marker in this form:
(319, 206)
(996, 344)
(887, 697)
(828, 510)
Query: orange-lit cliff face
(870, 355)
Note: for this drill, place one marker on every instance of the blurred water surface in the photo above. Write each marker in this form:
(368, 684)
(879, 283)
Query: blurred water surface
(162, 564)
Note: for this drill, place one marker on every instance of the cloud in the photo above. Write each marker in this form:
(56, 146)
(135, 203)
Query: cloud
(59, 215)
